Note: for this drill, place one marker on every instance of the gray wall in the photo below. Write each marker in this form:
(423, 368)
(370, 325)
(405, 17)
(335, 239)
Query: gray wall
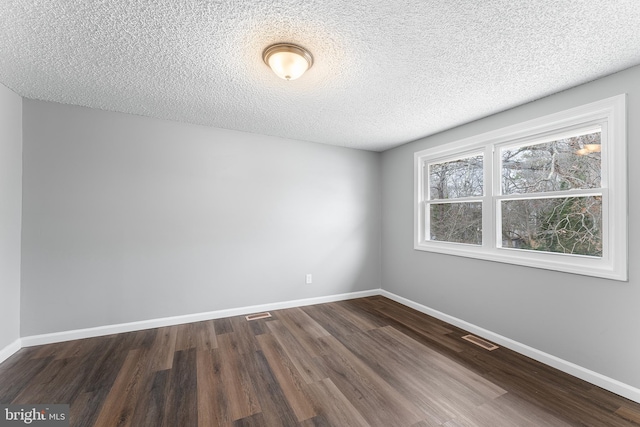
(127, 218)
(592, 322)
(10, 214)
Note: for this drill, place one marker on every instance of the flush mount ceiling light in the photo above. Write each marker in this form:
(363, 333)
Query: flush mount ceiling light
(288, 61)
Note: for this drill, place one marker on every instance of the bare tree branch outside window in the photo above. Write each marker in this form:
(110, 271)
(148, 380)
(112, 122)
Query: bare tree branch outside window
(459, 222)
(571, 225)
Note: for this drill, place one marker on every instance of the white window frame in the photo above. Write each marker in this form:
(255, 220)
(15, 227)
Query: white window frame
(608, 113)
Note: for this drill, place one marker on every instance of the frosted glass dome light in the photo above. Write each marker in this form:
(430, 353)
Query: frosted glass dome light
(288, 61)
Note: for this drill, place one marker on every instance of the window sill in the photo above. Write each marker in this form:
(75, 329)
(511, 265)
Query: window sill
(574, 264)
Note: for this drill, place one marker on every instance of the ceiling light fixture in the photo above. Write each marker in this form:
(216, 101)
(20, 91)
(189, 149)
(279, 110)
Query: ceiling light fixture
(287, 60)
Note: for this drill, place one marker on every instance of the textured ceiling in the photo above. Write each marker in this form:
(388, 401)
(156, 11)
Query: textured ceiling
(385, 72)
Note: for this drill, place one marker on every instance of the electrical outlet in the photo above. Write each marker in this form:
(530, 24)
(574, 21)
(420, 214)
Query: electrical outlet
(309, 279)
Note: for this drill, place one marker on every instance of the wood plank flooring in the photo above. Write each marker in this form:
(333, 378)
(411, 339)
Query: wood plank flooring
(363, 362)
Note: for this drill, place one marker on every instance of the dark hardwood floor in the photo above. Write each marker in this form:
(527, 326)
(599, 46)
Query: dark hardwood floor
(364, 362)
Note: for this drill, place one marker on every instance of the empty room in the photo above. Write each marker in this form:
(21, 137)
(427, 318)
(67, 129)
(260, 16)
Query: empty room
(306, 213)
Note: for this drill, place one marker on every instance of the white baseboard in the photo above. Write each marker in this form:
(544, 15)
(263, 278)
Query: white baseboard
(10, 350)
(188, 318)
(592, 377)
(614, 386)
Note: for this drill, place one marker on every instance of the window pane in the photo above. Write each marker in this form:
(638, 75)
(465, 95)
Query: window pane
(570, 225)
(563, 164)
(456, 222)
(458, 178)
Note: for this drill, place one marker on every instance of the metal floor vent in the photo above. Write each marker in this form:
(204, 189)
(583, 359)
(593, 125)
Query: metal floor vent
(480, 342)
(258, 316)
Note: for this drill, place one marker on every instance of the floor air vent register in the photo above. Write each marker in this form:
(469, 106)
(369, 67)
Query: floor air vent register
(480, 342)
(258, 316)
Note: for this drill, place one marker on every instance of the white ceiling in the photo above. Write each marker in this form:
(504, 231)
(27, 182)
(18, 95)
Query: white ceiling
(385, 72)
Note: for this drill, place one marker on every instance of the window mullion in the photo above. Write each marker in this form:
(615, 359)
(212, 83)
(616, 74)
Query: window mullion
(488, 208)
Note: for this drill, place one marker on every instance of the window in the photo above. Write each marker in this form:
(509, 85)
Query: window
(548, 193)
(455, 200)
